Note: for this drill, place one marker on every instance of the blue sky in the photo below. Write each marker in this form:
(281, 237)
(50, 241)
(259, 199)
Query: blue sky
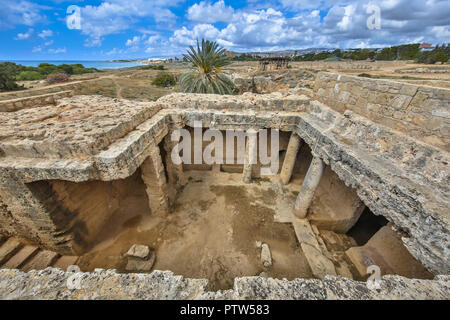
(115, 29)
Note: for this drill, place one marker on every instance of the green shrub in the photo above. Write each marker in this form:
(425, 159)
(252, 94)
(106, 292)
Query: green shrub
(442, 56)
(164, 79)
(8, 72)
(153, 67)
(29, 75)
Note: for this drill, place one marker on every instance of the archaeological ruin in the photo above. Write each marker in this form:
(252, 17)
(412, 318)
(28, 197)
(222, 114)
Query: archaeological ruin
(362, 184)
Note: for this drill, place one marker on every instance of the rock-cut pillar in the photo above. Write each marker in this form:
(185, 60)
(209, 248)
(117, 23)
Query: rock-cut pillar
(250, 155)
(309, 187)
(154, 177)
(294, 145)
(175, 173)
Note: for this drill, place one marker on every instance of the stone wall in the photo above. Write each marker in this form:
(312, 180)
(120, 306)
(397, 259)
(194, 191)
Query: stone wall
(420, 111)
(396, 176)
(104, 285)
(33, 101)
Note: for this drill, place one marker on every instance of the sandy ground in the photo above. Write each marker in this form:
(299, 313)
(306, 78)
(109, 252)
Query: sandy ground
(211, 233)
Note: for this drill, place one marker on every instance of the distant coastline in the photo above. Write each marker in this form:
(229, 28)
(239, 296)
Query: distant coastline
(102, 65)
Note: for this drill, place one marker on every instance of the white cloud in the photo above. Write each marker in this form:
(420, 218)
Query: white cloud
(115, 16)
(25, 35)
(58, 50)
(184, 36)
(207, 12)
(153, 39)
(45, 33)
(134, 41)
(344, 25)
(41, 47)
(19, 12)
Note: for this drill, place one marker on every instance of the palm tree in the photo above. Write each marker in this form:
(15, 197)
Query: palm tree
(206, 74)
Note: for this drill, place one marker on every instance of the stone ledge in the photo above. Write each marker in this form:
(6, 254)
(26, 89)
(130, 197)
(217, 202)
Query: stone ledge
(51, 283)
(33, 101)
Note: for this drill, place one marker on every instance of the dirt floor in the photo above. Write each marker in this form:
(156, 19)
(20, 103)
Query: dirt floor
(211, 233)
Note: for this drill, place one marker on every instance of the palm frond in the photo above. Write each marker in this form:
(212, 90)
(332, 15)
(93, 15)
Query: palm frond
(206, 74)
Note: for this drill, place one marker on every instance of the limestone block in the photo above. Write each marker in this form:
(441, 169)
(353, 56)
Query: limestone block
(335, 207)
(9, 249)
(139, 251)
(266, 256)
(41, 260)
(319, 264)
(304, 232)
(386, 250)
(141, 265)
(65, 262)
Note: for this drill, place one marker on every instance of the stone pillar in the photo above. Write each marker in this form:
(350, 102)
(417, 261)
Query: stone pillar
(309, 187)
(294, 145)
(154, 177)
(175, 174)
(250, 155)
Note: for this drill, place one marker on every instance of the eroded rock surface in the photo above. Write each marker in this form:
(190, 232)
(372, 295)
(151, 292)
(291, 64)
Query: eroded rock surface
(52, 284)
(358, 128)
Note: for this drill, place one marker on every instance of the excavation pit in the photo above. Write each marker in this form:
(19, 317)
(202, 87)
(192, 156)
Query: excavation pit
(117, 186)
(211, 233)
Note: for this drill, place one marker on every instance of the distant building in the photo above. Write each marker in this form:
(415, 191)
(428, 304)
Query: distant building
(426, 47)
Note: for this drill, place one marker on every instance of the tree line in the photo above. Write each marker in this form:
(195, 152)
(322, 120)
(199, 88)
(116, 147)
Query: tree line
(11, 72)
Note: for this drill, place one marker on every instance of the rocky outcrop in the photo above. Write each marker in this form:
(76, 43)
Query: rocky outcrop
(103, 285)
(95, 138)
(33, 101)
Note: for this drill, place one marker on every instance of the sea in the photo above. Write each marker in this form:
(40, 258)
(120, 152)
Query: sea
(87, 64)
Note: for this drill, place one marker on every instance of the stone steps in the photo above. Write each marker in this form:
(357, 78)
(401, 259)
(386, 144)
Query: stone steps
(16, 255)
(9, 249)
(23, 256)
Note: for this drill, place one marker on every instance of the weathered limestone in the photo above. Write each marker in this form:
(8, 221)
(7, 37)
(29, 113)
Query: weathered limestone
(65, 262)
(385, 249)
(140, 258)
(33, 101)
(320, 265)
(31, 219)
(419, 111)
(41, 261)
(395, 175)
(325, 214)
(138, 251)
(175, 174)
(79, 127)
(52, 284)
(266, 256)
(309, 186)
(21, 257)
(154, 177)
(250, 155)
(290, 158)
(9, 249)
